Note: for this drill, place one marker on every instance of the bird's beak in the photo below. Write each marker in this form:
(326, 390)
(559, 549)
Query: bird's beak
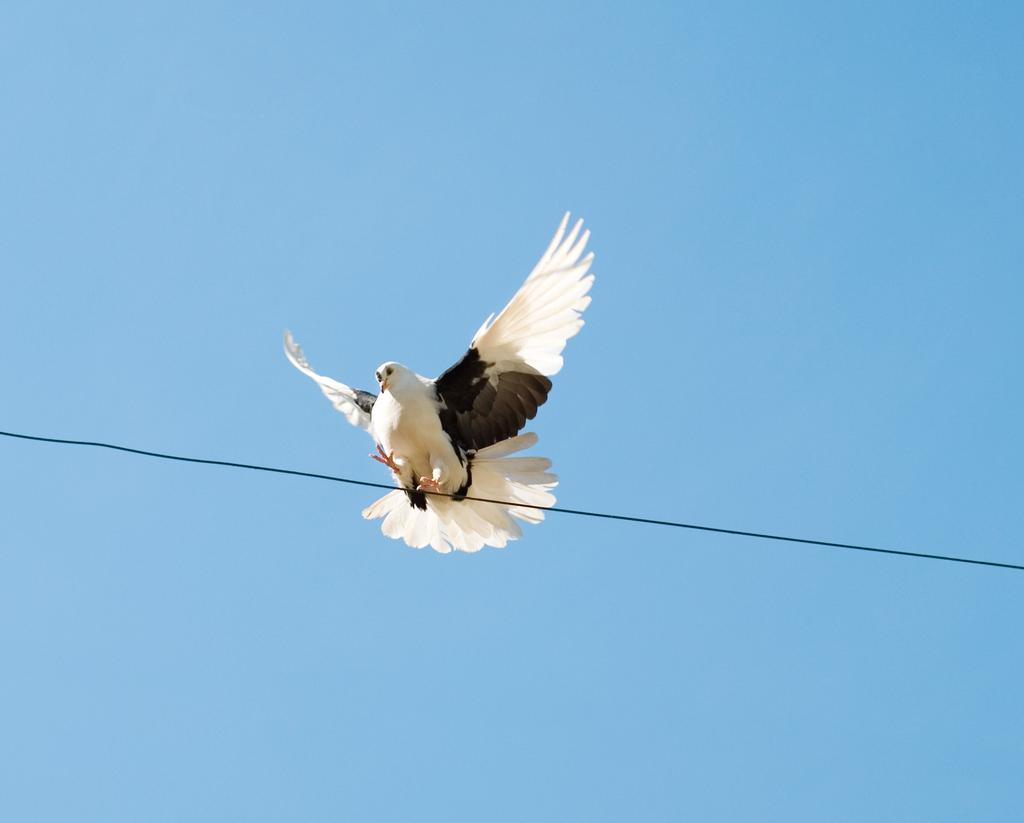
(384, 385)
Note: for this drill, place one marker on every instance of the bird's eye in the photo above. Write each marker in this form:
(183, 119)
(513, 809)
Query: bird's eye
(377, 375)
(387, 371)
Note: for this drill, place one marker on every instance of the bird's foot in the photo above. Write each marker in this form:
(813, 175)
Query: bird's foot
(387, 459)
(428, 484)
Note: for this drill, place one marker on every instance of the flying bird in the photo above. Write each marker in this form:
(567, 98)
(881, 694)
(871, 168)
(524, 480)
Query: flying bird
(454, 439)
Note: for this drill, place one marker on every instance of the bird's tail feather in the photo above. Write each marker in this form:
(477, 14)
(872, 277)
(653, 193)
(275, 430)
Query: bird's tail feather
(469, 525)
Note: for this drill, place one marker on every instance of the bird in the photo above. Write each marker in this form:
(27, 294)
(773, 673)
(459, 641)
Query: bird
(452, 443)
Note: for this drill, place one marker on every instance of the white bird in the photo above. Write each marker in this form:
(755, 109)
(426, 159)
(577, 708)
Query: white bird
(454, 435)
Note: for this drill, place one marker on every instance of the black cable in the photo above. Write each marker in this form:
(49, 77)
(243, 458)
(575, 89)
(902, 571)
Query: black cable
(581, 512)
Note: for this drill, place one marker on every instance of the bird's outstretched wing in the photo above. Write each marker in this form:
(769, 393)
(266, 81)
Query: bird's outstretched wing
(501, 381)
(353, 403)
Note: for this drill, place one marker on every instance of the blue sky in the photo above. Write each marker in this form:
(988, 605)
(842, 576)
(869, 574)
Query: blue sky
(806, 320)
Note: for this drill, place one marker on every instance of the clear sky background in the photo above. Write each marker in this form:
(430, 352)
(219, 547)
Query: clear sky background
(807, 320)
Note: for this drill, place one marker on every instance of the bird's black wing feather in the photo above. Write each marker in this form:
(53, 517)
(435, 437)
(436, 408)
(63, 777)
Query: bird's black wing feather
(365, 400)
(483, 404)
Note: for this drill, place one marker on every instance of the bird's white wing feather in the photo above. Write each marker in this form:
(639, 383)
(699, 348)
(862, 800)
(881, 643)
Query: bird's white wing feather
(350, 402)
(535, 325)
(503, 378)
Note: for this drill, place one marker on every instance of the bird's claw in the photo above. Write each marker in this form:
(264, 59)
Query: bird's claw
(428, 484)
(387, 459)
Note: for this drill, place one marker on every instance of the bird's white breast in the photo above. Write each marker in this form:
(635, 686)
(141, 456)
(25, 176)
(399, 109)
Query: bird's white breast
(405, 427)
(410, 429)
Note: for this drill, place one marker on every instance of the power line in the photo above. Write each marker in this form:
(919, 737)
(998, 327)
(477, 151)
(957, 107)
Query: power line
(561, 510)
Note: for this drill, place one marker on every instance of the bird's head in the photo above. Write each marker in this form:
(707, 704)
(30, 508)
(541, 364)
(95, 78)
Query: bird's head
(392, 376)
